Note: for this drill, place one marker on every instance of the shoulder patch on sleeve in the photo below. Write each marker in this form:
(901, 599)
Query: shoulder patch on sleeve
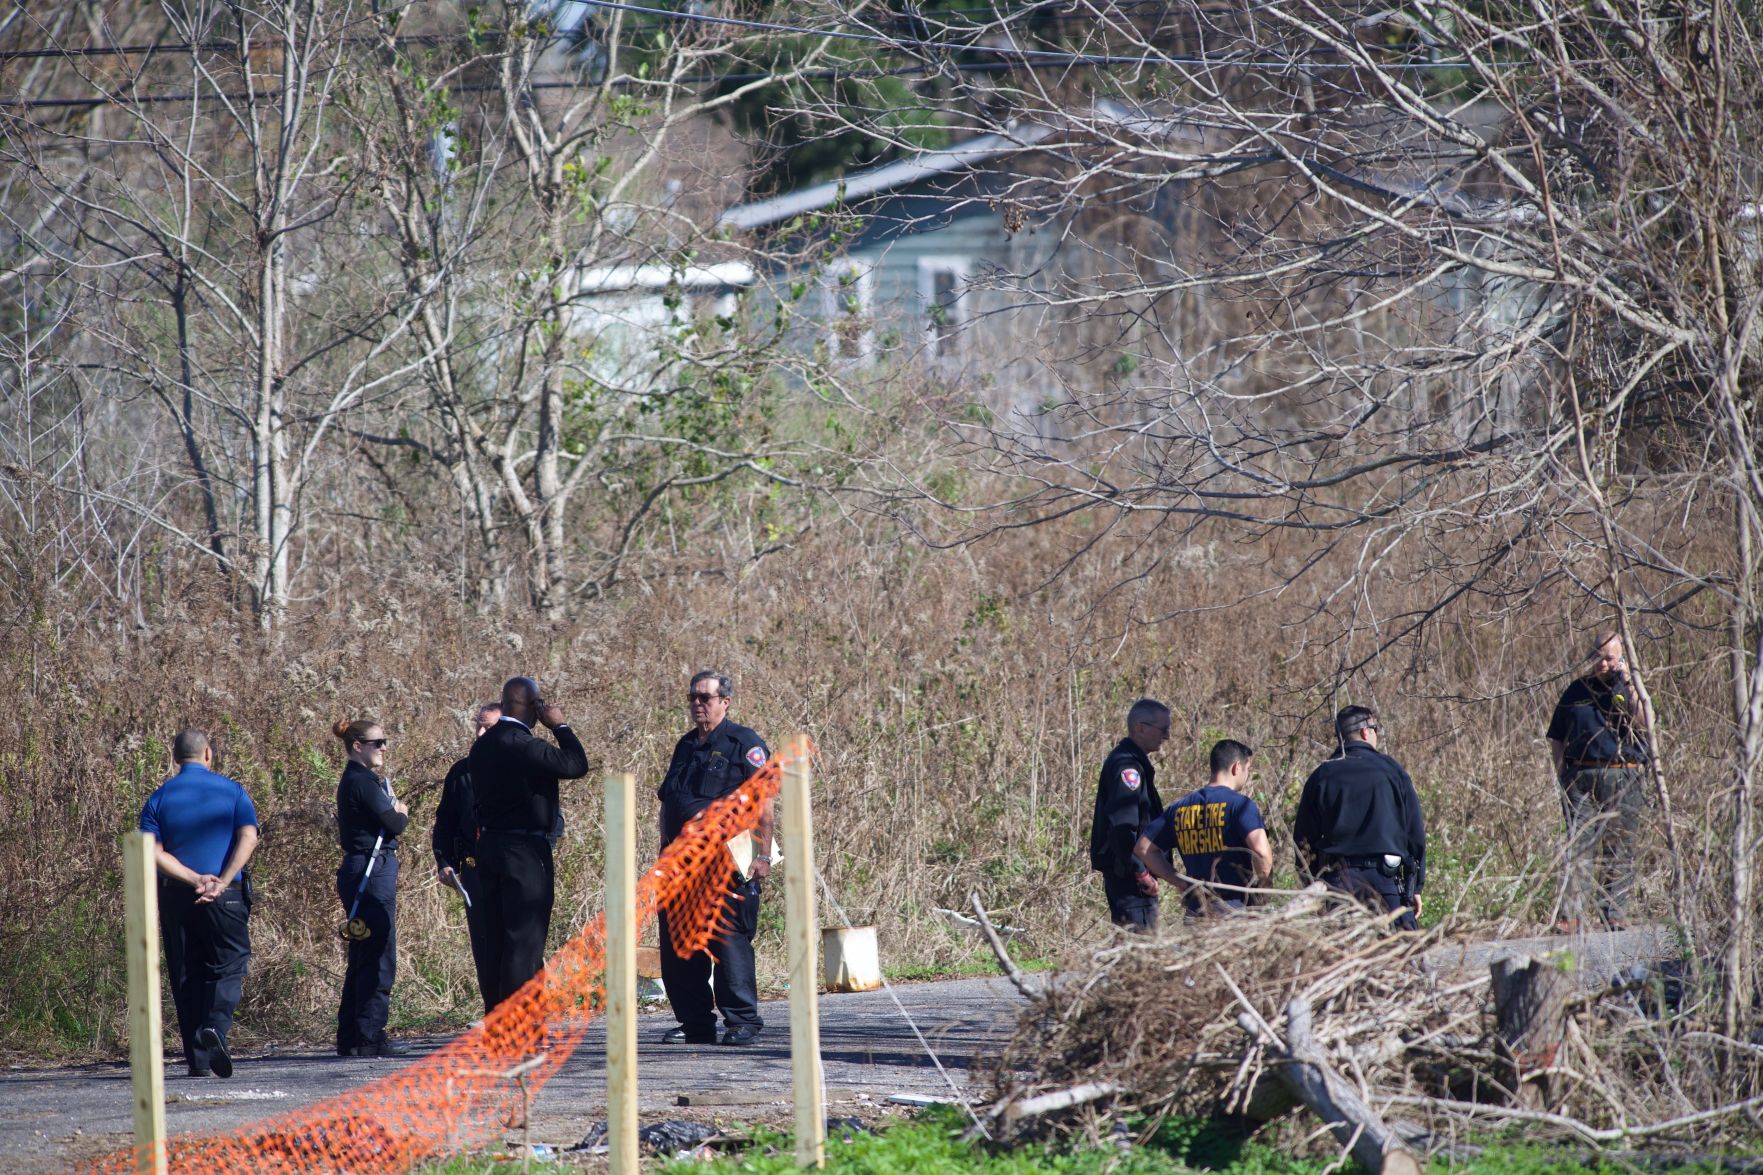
(756, 756)
(1130, 777)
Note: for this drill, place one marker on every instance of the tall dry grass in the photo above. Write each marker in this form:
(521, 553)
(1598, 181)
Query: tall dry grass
(960, 715)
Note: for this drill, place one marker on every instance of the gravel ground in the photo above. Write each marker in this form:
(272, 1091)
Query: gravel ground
(50, 1119)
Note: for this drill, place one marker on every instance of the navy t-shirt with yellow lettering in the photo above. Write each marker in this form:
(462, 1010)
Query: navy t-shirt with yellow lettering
(1210, 829)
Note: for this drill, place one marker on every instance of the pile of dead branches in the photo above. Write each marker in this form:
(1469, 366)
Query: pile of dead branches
(1387, 1036)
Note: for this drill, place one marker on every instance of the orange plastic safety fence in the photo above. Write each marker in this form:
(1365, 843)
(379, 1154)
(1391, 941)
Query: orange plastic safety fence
(477, 1086)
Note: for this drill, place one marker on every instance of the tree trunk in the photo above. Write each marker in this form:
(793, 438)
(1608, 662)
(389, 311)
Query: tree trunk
(1739, 958)
(1530, 1014)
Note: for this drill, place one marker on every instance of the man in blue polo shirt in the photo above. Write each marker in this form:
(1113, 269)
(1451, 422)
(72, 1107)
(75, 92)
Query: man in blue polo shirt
(206, 829)
(1219, 834)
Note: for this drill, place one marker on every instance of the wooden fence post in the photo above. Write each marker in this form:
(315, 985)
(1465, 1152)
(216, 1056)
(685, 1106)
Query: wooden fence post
(802, 933)
(621, 974)
(146, 1039)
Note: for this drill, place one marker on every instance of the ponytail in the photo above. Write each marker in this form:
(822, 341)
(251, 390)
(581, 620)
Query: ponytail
(352, 732)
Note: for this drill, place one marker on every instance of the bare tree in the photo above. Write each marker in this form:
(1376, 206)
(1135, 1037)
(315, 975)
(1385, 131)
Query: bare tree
(197, 206)
(553, 187)
(1459, 295)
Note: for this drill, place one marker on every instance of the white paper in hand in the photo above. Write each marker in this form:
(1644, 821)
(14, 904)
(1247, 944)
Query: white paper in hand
(740, 847)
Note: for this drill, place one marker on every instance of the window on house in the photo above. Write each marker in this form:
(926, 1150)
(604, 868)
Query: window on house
(847, 308)
(941, 283)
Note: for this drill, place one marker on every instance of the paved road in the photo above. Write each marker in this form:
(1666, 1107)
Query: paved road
(51, 1118)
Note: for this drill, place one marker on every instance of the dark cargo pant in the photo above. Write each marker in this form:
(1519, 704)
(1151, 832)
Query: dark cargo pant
(1127, 907)
(373, 962)
(1603, 809)
(207, 953)
(723, 977)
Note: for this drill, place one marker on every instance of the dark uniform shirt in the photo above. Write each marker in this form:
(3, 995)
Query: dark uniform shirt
(364, 811)
(1595, 721)
(1126, 801)
(454, 839)
(701, 773)
(1359, 805)
(514, 776)
(1210, 828)
(455, 836)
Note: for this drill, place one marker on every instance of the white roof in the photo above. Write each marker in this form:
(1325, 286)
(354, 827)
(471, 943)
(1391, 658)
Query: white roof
(614, 279)
(925, 165)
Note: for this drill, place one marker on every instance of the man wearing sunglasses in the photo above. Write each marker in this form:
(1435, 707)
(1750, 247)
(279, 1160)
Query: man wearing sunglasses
(514, 784)
(1359, 827)
(711, 760)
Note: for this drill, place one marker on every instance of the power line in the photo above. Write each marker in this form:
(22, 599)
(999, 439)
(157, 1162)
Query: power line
(181, 47)
(831, 73)
(891, 18)
(1055, 56)
(1060, 56)
(116, 50)
(827, 74)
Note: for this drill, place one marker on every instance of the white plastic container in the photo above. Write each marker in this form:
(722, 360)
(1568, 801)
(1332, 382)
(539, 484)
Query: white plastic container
(851, 960)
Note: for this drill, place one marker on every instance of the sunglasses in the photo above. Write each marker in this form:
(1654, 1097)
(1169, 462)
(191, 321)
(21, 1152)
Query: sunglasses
(379, 743)
(706, 699)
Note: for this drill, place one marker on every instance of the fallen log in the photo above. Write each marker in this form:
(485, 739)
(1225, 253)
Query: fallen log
(1064, 1099)
(1304, 1070)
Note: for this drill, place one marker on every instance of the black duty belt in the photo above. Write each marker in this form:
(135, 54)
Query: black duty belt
(514, 832)
(1360, 862)
(1604, 764)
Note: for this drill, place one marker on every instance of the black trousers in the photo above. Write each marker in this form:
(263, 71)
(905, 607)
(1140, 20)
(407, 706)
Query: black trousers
(207, 952)
(483, 950)
(1370, 886)
(517, 879)
(723, 977)
(1127, 907)
(373, 961)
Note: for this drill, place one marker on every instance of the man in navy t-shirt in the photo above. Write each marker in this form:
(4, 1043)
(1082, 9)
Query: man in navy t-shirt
(1598, 741)
(1219, 834)
(206, 829)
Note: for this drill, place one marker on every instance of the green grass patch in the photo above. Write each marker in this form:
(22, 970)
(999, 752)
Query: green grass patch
(930, 1143)
(962, 969)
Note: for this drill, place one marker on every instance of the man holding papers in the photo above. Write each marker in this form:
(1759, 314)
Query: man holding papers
(713, 759)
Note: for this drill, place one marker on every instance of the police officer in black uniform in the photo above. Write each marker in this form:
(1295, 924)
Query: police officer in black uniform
(514, 777)
(454, 842)
(369, 821)
(712, 759)
(1359, 826)
(1126, 801)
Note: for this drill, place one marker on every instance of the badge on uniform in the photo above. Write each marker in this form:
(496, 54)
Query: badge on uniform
(756, 756)
(1130, 777)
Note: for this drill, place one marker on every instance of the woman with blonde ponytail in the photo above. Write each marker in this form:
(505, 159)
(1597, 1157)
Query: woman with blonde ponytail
(369, 819)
